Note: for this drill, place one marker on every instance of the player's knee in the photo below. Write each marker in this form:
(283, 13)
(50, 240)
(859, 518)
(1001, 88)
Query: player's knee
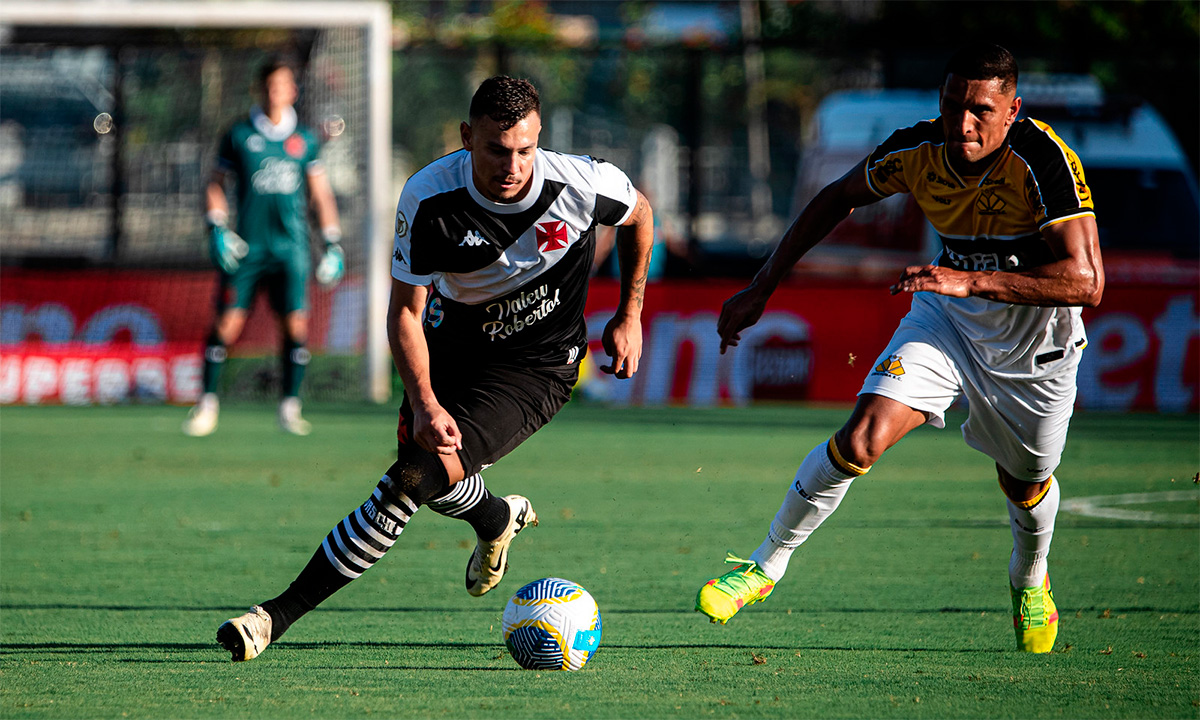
(859, 445)
(229, 327)
(1024, 493)
(418, 474)
(295, 327)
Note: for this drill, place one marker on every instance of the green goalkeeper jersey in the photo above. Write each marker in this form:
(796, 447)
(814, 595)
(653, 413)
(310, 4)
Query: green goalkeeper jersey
(272, 163)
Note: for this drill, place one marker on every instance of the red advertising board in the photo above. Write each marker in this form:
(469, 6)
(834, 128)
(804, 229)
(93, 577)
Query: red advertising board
(60, 330)
(817, 342)
(143, 308)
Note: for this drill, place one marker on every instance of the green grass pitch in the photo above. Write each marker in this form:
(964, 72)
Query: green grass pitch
(124, 544)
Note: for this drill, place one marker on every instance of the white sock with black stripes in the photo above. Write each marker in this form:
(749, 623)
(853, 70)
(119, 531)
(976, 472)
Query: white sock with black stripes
(817, 490)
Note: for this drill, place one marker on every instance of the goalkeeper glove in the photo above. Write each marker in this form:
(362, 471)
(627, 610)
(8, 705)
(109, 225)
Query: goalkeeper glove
(333, 263)
(225, 247)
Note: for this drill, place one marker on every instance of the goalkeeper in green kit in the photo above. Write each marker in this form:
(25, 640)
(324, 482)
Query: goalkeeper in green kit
(273, 161)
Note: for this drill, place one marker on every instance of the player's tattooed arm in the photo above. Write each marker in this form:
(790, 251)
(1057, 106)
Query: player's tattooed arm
(1074, 278)
(622, 337)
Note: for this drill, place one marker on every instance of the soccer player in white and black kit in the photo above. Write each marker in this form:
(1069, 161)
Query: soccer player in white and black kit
(996, 319)
(493, 248)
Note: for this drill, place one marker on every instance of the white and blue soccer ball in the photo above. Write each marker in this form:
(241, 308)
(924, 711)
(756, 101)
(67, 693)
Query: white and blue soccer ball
(552, 624)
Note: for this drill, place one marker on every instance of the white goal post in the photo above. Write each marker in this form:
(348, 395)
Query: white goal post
(373, 18)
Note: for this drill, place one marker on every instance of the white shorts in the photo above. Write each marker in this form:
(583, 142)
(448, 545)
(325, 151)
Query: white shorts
(1021, 424)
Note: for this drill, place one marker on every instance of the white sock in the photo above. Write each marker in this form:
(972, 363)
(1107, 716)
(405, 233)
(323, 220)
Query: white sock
(1032, 530)
(816, 492)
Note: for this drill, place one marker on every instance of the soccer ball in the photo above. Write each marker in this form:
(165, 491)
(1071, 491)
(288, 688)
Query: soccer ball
(552, 624)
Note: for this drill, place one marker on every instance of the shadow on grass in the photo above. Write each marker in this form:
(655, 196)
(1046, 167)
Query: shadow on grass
(619, 611)
(17, 649)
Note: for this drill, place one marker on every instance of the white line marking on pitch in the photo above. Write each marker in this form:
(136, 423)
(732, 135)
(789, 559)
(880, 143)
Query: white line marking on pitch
(1101, 506)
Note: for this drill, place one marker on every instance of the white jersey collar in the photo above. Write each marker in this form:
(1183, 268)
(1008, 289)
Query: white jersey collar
(268, 129)
(535, 189)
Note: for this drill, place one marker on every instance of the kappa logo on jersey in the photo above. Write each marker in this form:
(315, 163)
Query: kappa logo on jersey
(552, 236)
(472, 239)
(989, 203)
(295, 146)
(891, 366)
(256, 143)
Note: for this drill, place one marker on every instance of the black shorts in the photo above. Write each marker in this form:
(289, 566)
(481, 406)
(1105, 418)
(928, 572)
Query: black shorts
(496, 406)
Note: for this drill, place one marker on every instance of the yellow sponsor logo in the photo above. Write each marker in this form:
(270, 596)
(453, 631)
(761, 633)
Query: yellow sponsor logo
(891, 366)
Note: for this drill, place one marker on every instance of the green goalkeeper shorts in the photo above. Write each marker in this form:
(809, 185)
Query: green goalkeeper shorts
(281, 272)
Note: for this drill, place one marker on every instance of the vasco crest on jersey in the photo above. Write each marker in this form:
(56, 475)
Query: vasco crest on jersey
(552, 235)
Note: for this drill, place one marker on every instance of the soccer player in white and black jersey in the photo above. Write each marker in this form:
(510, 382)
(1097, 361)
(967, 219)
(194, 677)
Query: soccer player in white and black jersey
(493, 248)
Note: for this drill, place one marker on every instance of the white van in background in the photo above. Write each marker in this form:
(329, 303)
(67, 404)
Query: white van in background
(1147, 205)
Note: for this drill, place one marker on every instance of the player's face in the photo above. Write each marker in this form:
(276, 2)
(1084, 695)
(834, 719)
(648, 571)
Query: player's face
(976, 116)
(502, 160)
(279, 90)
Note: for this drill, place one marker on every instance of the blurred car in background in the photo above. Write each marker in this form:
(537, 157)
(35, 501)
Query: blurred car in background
(54, 118)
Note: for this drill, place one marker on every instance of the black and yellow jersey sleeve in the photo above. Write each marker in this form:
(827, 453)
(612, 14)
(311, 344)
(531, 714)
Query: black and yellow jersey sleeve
(1054, 178)
(890, 166)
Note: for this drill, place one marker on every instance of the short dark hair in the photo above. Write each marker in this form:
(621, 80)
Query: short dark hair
(506, 100)
(984, 62)
(273, 64)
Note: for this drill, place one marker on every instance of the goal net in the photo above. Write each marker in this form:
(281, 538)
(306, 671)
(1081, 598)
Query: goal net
(110, 115)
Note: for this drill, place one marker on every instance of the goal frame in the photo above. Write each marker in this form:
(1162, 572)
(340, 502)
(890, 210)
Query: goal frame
(376, 18)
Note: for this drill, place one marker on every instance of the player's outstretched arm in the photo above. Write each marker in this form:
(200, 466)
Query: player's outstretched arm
(622, 337)
(433, 428)
(1075, 278)
(831, 206)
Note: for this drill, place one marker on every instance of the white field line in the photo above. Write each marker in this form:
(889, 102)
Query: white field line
(1102, 506)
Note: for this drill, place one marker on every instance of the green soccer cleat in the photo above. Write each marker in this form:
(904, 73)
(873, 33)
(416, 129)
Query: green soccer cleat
(489, 561)
(246, 636)
(1035, 617)
(721, 598)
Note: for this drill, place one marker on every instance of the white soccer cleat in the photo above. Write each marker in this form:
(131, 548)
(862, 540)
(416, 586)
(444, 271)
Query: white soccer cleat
(247, 636)
(489, 561)
(202, 418)
(290, 419)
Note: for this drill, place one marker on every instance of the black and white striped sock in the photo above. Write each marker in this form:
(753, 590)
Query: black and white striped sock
(471, 501)
(349, 550)
(363, 536)
(463, 495)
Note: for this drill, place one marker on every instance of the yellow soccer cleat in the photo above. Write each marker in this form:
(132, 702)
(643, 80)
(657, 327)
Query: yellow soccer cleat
(489, 561)
(1035, 617)
(721, 598)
